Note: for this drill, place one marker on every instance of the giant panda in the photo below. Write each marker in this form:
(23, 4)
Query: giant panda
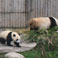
(43, 23)
(8, 36)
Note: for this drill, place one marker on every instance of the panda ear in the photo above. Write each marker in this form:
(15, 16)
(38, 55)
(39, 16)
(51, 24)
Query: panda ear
(20, 33)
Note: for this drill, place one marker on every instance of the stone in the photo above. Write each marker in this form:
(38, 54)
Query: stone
(13, 55)
(24, 47)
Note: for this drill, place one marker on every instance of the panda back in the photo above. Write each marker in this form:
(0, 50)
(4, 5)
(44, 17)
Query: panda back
(4, 34)
(43, 22)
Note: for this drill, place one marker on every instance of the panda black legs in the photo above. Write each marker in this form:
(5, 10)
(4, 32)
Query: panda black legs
(34, 28)
(9, 39)
(2, 41)
(8, 43)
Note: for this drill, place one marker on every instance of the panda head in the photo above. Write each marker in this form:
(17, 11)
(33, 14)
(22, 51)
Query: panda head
(15, 37)
(33, 23)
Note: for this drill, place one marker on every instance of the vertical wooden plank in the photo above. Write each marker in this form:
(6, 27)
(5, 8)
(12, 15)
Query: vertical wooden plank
(16, 20)
(21, 6)
(49, 10)
(27, 5)
(3, 14)
(34, 8)
(0, 20)
(6, 5)
(2, 17)
(44, 8)
(54, 8)
(0, 5)
(13, 20)
(27, 11)
(16, 15)
(16, 5)
(21, 21)
(38, 8)
(11, 6)
(7, 20)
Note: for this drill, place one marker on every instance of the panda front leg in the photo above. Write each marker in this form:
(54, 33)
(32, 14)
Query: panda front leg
(9, 43)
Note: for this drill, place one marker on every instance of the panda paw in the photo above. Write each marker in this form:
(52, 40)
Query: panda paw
(9, 45)
(18, 46)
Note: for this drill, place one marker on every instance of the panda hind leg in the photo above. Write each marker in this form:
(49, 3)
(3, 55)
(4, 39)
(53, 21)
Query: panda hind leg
(2, 40)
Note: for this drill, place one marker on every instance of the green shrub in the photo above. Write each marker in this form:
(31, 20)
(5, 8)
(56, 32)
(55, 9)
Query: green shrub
(47, 44)
(47, 40)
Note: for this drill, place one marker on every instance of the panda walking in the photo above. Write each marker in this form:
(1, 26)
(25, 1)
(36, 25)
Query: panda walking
(43, 23)
(8, 36)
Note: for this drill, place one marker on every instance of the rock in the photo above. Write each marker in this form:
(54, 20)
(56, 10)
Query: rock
(24, 47)
(28, 44)
(13, 55)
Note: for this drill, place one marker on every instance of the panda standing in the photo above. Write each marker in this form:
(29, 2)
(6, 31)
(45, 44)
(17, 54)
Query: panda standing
(43, 23)
(8, 36)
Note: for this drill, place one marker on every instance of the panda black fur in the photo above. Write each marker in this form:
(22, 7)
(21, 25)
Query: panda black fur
(43, 23)
(8, 36)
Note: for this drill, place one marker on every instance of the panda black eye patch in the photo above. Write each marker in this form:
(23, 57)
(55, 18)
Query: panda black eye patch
(14, 35)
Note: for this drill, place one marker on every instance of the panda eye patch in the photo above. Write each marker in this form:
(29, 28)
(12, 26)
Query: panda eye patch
(14, 35)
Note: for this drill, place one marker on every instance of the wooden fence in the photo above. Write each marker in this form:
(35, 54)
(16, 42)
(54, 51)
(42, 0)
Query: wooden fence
(16, 13)
(12, 13)
(45, 8)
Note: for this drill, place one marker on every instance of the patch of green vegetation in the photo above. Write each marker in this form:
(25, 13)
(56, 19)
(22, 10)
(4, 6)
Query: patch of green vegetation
(2, 55)
(36, 53)
(47, 44)
(32, 54)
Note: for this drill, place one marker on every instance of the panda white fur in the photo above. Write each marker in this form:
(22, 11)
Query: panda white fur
(43, 23)
(8, 36)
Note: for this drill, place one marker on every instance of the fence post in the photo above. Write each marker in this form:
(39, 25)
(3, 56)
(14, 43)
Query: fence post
(28, 10)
